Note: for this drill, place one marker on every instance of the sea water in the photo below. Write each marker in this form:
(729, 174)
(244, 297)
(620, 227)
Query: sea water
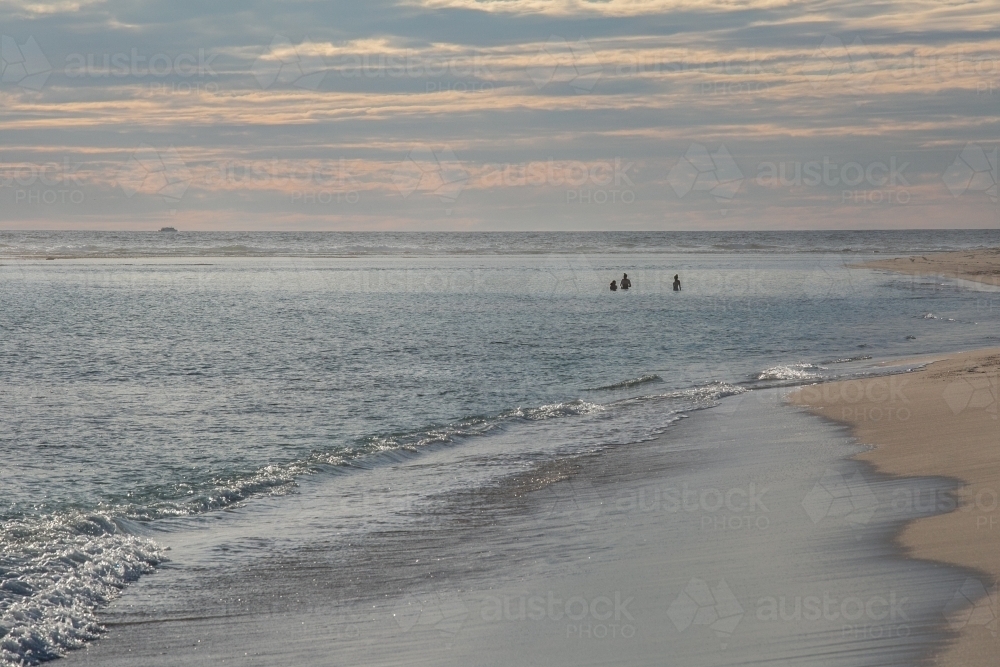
(148, 379)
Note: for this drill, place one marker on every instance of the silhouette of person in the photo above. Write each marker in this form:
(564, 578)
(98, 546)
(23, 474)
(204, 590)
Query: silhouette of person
(625, 283)
(614, 286)
(677, 283)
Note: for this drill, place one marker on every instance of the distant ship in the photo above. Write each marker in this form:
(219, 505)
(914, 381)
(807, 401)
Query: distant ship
(167, 229)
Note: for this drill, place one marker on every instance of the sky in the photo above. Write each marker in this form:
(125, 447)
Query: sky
(487, 115)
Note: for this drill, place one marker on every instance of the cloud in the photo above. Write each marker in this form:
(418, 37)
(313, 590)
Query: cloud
(503, 85)
(605, 8)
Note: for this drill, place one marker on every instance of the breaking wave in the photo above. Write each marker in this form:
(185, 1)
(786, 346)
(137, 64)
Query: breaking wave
(845, 360)
(634, 382)
(791, 372)
(56, 571)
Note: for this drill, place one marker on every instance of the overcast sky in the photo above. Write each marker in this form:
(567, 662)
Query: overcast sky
(499, 115)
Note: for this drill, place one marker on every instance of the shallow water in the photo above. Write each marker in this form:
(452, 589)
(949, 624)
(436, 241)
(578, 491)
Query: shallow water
(143, 388)
(711, 545)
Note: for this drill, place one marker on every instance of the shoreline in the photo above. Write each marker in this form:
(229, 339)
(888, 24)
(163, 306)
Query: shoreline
(720, 329)
(939, 420)
(981, 266)
(597, 527)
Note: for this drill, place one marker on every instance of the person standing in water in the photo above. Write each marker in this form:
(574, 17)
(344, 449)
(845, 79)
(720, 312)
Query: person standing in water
(677, 282)
(614, 286)
(625, 283)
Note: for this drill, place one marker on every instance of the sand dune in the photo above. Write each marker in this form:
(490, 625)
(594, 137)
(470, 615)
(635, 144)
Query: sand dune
(982, 266)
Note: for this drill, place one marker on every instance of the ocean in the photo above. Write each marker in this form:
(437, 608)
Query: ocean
(177, 405)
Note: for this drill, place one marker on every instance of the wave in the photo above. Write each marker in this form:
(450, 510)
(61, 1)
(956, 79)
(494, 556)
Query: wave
(932, 316)
(475, 426)
(742, 247)
(710, 392)
(56, 572)
(222, 491)
(844, 360)
(791, 372)
(634, 382)
(280, 478)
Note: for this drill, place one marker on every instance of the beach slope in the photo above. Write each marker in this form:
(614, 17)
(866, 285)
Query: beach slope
(940, 420)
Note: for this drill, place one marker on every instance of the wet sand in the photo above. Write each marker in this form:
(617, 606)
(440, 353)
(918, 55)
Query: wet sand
(721, 542)
(941, 420)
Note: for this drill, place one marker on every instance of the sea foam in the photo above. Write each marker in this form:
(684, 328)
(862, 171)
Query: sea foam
(57, 571)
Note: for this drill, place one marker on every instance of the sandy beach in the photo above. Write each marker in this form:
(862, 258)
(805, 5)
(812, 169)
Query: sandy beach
(982, 266)
(941, 420)
(711, 545)
(417, 333)
(653, 501)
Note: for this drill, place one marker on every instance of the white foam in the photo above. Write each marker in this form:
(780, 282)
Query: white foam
(791, 372)
(57, 571)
